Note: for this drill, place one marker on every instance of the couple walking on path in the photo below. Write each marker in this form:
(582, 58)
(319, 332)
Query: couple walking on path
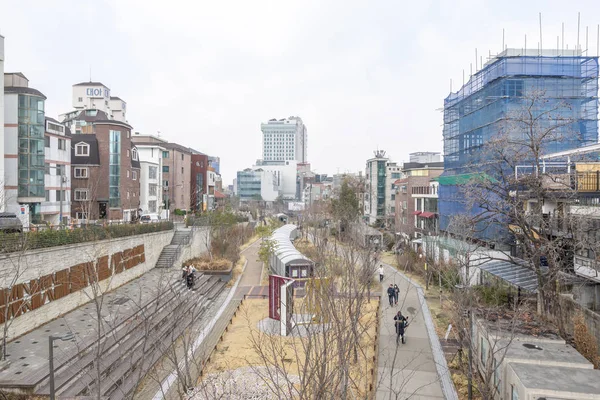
(393, 293)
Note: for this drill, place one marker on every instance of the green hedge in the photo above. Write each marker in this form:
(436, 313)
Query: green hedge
(12, 242)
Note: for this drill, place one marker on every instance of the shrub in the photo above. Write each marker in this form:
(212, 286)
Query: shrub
(11, 242)
(204, 263)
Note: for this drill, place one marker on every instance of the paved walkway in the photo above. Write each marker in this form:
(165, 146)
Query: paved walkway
(407, 370)
(252, 273)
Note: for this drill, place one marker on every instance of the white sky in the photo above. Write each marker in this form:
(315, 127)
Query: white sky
(362, 75)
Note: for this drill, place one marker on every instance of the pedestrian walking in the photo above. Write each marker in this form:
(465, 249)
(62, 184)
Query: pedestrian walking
(190, 279)
(400, 322)
(391, 293)
(396, 293)
(380, 272)
(185, 270)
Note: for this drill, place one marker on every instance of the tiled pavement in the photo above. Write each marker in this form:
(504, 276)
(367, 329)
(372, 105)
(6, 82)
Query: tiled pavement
(407, 370)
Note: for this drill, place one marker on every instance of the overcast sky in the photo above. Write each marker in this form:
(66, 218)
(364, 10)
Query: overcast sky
(362, 75)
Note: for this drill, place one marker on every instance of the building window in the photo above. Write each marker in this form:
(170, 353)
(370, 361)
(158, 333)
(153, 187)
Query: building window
(514, 394)
(128, 173)
(47, 168)
(165, 168)
(80, 99)
(62, 144)
(82, 149)
(165, 154)
(134, 175)
(127, 153)
(81, 195)
(80, 215)
(61, 195)
(134, 154)
(60, 170)
(152, 206)
(181, 170)
(81, 172)
(46, 141)
(165, 184)
(152, 190)
(47, 195)
(152, 172)
(181, 156)
(114, 175)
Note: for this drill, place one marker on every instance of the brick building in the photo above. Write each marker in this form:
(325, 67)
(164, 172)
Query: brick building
(105, 168)
(416, 205)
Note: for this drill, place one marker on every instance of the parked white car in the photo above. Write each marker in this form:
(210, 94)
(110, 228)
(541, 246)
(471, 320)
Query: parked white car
(149, 218)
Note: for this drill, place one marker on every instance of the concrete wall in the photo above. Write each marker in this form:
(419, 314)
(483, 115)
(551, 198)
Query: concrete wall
(569, 308)
(30, 265)
(196, 247)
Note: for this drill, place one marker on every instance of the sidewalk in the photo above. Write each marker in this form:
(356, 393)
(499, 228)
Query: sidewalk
(407, 370)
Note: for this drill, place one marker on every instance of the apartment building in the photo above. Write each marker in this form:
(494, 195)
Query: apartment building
(105, 168)
(96, 96)
(380, 197)
(416, 208)
(24, 154)
(56, 208)
(151, 193)
(176, 171)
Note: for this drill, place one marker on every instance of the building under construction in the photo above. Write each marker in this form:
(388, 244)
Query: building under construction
(565, 83)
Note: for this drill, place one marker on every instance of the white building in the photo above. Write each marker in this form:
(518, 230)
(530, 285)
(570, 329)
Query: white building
(284, 139)
(1, 124)
(151, 165)
(95, 96)
(57, 175)
(257, 184)
(286, 173)
(425, 157)
(379, 199)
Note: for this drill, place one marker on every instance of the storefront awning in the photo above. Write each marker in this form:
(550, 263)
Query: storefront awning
(515, 274)
(427, 214)
(416, 212)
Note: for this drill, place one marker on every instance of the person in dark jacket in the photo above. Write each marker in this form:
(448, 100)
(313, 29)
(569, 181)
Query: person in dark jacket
(390, 293)
(190, 279)
(396, 293)
(400, 321)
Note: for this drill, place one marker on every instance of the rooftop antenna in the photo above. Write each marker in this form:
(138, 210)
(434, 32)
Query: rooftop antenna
(562, 43)
(586, 40)
(463, 77)
(525, 52)
(475, 59)
(578, 20)
(541, 47)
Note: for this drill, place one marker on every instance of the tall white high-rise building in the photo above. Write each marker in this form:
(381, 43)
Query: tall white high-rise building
(284, 139)
(1, 123)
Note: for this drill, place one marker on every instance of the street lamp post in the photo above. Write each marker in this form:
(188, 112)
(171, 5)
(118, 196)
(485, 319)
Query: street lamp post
(51, 339)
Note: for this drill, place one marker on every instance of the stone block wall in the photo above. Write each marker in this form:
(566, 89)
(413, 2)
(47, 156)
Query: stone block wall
(39, 285)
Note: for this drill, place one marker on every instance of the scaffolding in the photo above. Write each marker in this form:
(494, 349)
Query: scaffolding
(479, 110)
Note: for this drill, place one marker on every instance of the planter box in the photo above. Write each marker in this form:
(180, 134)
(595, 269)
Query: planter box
(225, 275)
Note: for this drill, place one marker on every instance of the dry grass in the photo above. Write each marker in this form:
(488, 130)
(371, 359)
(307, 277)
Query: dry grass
(250, 242)
(204, 263)
(238, 268)
(236, 349)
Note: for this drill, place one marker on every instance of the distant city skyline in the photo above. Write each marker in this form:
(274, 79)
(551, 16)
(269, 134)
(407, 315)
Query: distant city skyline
(361, 76)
